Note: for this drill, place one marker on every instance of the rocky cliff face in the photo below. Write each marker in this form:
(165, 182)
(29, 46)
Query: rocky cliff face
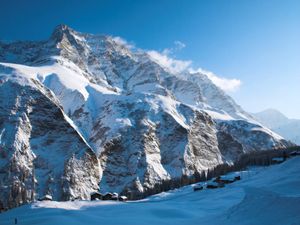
(131, 126)
(40, 152)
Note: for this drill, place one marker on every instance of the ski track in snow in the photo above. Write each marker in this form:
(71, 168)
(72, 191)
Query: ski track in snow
(265, 195)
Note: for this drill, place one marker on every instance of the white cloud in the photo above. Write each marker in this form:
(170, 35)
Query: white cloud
(179, 45)
(166, 59)
(122, 41)
(228, 85)
(169, 63)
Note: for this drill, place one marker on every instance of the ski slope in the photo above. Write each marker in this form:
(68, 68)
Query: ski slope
(265, 195)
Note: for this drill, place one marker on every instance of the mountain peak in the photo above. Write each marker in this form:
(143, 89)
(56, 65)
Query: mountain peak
(62, 27)
(271, 118)
(272, 112)
(61, 30)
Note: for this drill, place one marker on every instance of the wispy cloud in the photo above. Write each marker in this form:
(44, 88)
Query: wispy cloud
(178, 45)
(228, 85)
(169, 63)
(122, 41)
(167, 60)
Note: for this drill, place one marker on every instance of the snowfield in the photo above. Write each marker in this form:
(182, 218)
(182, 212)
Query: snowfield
(265, 195)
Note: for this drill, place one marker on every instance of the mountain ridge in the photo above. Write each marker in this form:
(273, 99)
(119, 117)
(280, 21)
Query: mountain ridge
(277, 121)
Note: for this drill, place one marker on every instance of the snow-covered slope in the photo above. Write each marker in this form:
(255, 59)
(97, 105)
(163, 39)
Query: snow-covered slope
(275, 120)
(265, 195)
(145, 124)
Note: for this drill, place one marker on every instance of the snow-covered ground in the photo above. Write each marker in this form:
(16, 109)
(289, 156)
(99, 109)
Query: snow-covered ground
(265, 195)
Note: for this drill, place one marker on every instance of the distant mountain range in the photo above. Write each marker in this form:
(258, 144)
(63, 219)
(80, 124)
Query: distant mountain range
(81, 113)
(278, 122)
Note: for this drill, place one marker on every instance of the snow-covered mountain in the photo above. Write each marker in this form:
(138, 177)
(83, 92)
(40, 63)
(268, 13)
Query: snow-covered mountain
(275, 120)
(86, 112)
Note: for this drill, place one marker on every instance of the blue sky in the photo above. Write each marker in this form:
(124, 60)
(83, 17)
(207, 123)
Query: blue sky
(254, 41)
